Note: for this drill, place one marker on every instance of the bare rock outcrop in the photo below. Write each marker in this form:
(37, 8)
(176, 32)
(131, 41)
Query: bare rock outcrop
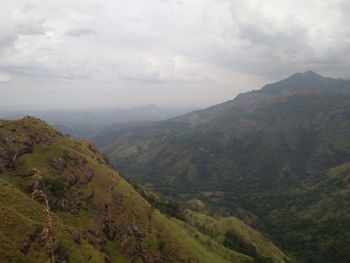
(11, 149)
(59, 165)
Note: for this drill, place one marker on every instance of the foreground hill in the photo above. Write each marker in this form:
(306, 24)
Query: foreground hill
(60, 198)
(276, 157)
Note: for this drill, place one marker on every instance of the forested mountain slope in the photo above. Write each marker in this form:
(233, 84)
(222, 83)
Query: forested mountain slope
(275, 153)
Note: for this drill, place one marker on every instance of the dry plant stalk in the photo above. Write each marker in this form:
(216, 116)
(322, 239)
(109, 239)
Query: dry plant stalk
(47, 233)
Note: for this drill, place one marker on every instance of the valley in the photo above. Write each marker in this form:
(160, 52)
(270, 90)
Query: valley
(261, 178)
(173, 131)
(278, 156)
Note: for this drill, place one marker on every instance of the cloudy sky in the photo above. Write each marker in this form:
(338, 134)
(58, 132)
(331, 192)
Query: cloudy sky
(80, 53)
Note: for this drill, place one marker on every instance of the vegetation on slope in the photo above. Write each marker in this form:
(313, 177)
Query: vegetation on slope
(97, 216)
(216, 233)
(267, 153)
(235, 234)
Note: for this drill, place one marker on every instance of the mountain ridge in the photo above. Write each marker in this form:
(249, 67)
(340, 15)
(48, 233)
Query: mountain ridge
(268, 156)
(252, 100)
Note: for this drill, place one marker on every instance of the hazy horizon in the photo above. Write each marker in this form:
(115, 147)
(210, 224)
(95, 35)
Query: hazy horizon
(75, 108)
(194, 54)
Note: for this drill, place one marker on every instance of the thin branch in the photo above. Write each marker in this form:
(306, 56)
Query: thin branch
(47, 234)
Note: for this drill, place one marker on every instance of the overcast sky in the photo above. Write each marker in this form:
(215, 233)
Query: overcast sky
(80, 53)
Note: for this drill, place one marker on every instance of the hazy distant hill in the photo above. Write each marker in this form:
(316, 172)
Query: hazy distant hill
(269, 151)
(89, 122)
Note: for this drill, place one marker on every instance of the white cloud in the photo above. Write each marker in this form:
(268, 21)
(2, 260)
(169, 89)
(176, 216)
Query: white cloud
(204, 50)
(80, 32)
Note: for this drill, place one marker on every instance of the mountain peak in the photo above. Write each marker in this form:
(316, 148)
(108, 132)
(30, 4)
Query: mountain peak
(303, 76)
(308, 81)
(312, 74)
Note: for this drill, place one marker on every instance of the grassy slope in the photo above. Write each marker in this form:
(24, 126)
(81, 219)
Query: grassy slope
(218, 228)
(209, 251)
(141, 232)
(19, 217)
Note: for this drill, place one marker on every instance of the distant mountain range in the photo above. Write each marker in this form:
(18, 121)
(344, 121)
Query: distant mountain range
(308, 82)
(279, 156)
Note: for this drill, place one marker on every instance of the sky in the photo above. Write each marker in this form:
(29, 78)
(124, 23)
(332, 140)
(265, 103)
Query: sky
(173, 53)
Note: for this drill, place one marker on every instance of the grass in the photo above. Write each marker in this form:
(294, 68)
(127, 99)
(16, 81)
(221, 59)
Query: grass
(19, 217)
(218, 227)
(114, 199)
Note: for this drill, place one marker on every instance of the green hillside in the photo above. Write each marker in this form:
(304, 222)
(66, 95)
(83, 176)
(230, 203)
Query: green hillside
(96, 215)
(235, 234)
(228, 237)
(268, 153)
